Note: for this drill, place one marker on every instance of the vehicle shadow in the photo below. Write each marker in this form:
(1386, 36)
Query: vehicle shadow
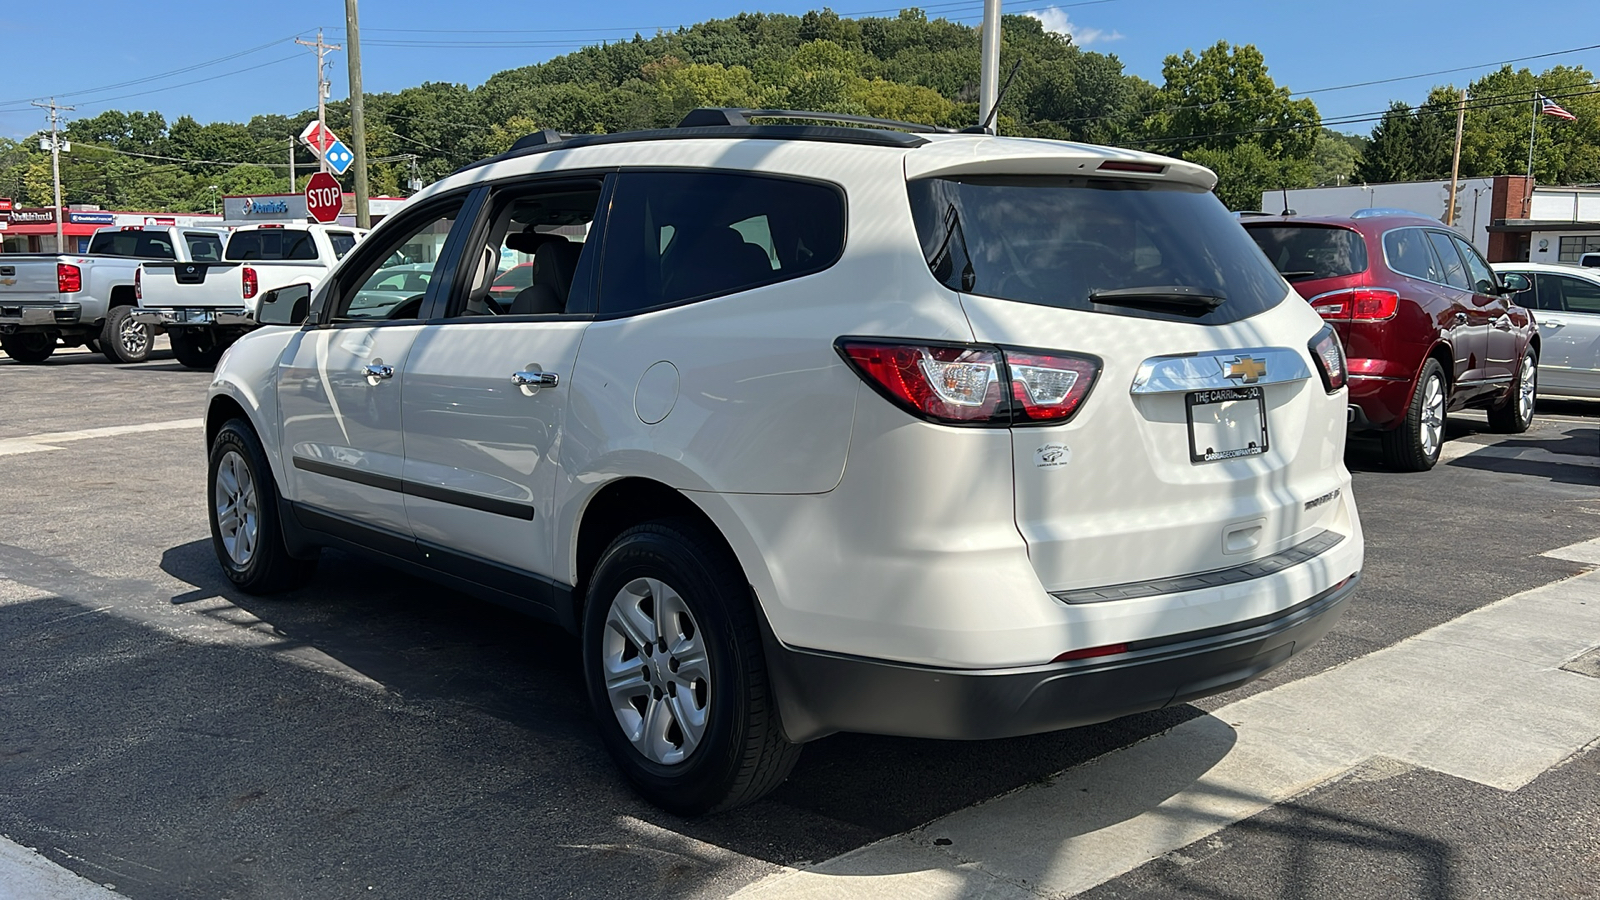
(433, 646)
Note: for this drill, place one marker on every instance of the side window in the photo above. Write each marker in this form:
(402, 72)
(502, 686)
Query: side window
(155, 246)
(1455, 272)
(1408, 253)
(394, 283)
(342, 242)
(1547, 291)
(1578, 295)
(1483, 280)
(531, 259)
(677, 236)
(203, 247)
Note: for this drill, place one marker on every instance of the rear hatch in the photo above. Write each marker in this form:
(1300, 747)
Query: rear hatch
(1209, 439)
(28, 280)
(1320, 261)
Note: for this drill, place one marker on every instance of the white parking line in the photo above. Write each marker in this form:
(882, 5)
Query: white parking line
(37, 443)
(1482, 697)
(26, 875)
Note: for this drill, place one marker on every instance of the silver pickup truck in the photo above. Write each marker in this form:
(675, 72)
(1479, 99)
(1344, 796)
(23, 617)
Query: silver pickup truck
(205, 306)
(52, 300)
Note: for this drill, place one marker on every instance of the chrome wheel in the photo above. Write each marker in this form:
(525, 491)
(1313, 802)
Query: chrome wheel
(1432, 430)
(134, 337)
(656, 671)
(238, 519)
(1526, 387)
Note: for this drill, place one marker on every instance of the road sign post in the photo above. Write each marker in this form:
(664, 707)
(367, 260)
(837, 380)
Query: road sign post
(324, 197)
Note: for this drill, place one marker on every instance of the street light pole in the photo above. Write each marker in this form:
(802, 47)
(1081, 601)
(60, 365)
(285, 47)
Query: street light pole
(358, 116)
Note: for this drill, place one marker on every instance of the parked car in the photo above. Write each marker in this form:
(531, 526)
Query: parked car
(205, 306)
(1426, 324)
(1589, 261)
(849, 429)
(1566, 302)
(88, 298)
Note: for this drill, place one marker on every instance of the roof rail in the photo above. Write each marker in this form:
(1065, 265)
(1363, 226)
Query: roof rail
(539, 139)
(1375, 211)
(716, 116)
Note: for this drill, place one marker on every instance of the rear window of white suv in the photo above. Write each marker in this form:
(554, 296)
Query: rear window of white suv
(1094, 244)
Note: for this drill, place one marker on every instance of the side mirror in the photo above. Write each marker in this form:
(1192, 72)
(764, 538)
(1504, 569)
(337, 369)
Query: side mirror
(1514, 283)
(285, 306)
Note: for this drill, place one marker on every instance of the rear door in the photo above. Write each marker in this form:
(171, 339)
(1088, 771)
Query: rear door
(486, 393)
(1569, 323)
(1207, 436)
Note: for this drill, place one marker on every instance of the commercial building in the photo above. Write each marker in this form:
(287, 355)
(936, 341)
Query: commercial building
(33, 229)
(292, 208)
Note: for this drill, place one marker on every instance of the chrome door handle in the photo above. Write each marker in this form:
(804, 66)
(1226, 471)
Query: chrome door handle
(535, 380)
(1553, 323)
(1503, 323)
(379, 370)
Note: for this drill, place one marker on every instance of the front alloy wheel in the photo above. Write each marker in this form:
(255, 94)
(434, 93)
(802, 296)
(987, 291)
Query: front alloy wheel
(238, 521)
(246, 532)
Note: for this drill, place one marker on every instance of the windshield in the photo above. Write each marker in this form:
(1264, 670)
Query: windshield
(134, 244)
(271, 244)
(1056, 241)
(1307, 252)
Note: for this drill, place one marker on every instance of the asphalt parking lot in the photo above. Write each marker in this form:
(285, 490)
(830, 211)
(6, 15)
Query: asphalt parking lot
(165, 736)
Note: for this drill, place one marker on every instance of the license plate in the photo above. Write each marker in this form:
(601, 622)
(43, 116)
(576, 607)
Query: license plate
(1227, 423)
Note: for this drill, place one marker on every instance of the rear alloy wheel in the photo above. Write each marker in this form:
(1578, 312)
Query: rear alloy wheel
(1415, 445)
(124, 340)
(245, 530)
(29, 347)
(1515, 415)
(195, 349)
(676, 674)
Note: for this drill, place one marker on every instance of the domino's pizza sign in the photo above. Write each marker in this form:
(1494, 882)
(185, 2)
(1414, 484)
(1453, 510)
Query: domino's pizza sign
(339, 157)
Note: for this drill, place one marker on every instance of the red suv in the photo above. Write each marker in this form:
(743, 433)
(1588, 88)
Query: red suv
(1427, 325)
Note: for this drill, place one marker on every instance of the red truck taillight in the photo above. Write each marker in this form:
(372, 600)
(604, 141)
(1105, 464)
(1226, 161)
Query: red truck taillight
(973, 384)
(251, 284)
(69, 278)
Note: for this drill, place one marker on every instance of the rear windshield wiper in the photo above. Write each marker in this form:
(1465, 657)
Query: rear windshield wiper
(1177, 297)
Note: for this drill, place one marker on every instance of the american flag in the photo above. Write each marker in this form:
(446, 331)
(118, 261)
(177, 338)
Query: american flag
(1551, 108)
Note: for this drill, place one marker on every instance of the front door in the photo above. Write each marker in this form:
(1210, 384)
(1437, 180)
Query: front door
(1569, 324)
(487, 391)
(1501, 355)
(340, 384)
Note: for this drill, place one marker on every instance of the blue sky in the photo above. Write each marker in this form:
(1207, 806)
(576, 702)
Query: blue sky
(65, 48)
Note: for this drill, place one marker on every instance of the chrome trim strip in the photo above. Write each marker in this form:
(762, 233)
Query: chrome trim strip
(1184, 372)
(1260, 568)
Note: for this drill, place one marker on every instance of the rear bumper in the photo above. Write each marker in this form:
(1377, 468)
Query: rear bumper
(41, 314)
(194, 316)
(1380, 403)
(821, 693)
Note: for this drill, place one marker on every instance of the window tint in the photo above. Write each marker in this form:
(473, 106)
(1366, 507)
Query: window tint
(342, 241)
(1483, 280)
(1306, 252)
(1055, 241)
(395, 284)
(1408, 253)
(137, 244)
(271, 244)
(1577, 295)
(1455, 273)
(203, 247)
(678, 236)
(532, 259)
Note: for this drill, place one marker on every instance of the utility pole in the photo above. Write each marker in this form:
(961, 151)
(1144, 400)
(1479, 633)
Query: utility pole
(55, 159)
(1455, 161)
(989, 70)
(322, 86)
(358, 116)
(292, 178)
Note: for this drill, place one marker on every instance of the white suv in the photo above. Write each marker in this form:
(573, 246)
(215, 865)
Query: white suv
(810, 428)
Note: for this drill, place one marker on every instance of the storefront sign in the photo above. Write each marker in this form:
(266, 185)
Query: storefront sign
(160, 220)
(5, 204)
(31, 216)
(91, 218)
(279, 208)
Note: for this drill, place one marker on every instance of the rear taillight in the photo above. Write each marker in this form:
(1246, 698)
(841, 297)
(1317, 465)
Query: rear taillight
(251, 284)
(138, 283)
(69, 279)
(1357, 305)
(967, 384)
(1329, 353)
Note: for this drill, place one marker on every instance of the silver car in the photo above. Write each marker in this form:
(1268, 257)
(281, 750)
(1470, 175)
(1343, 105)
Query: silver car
(1566, 304)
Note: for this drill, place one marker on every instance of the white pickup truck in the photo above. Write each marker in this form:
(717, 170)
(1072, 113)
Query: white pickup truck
(205, 306)
(50, 300)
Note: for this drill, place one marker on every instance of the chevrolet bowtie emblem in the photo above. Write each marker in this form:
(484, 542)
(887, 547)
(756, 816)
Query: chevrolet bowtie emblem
(1248, 369)
(8, 282)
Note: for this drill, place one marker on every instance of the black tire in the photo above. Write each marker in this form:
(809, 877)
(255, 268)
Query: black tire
(195, 350)
(1515, 415)
(123, 341)
(742, 753)
(28, 347)
(268, 567)
(1407, 447)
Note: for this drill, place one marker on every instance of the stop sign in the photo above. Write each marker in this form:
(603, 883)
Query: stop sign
(324, 197)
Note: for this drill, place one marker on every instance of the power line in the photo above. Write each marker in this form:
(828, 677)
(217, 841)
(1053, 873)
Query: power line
(157, 77)
(209, 78)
